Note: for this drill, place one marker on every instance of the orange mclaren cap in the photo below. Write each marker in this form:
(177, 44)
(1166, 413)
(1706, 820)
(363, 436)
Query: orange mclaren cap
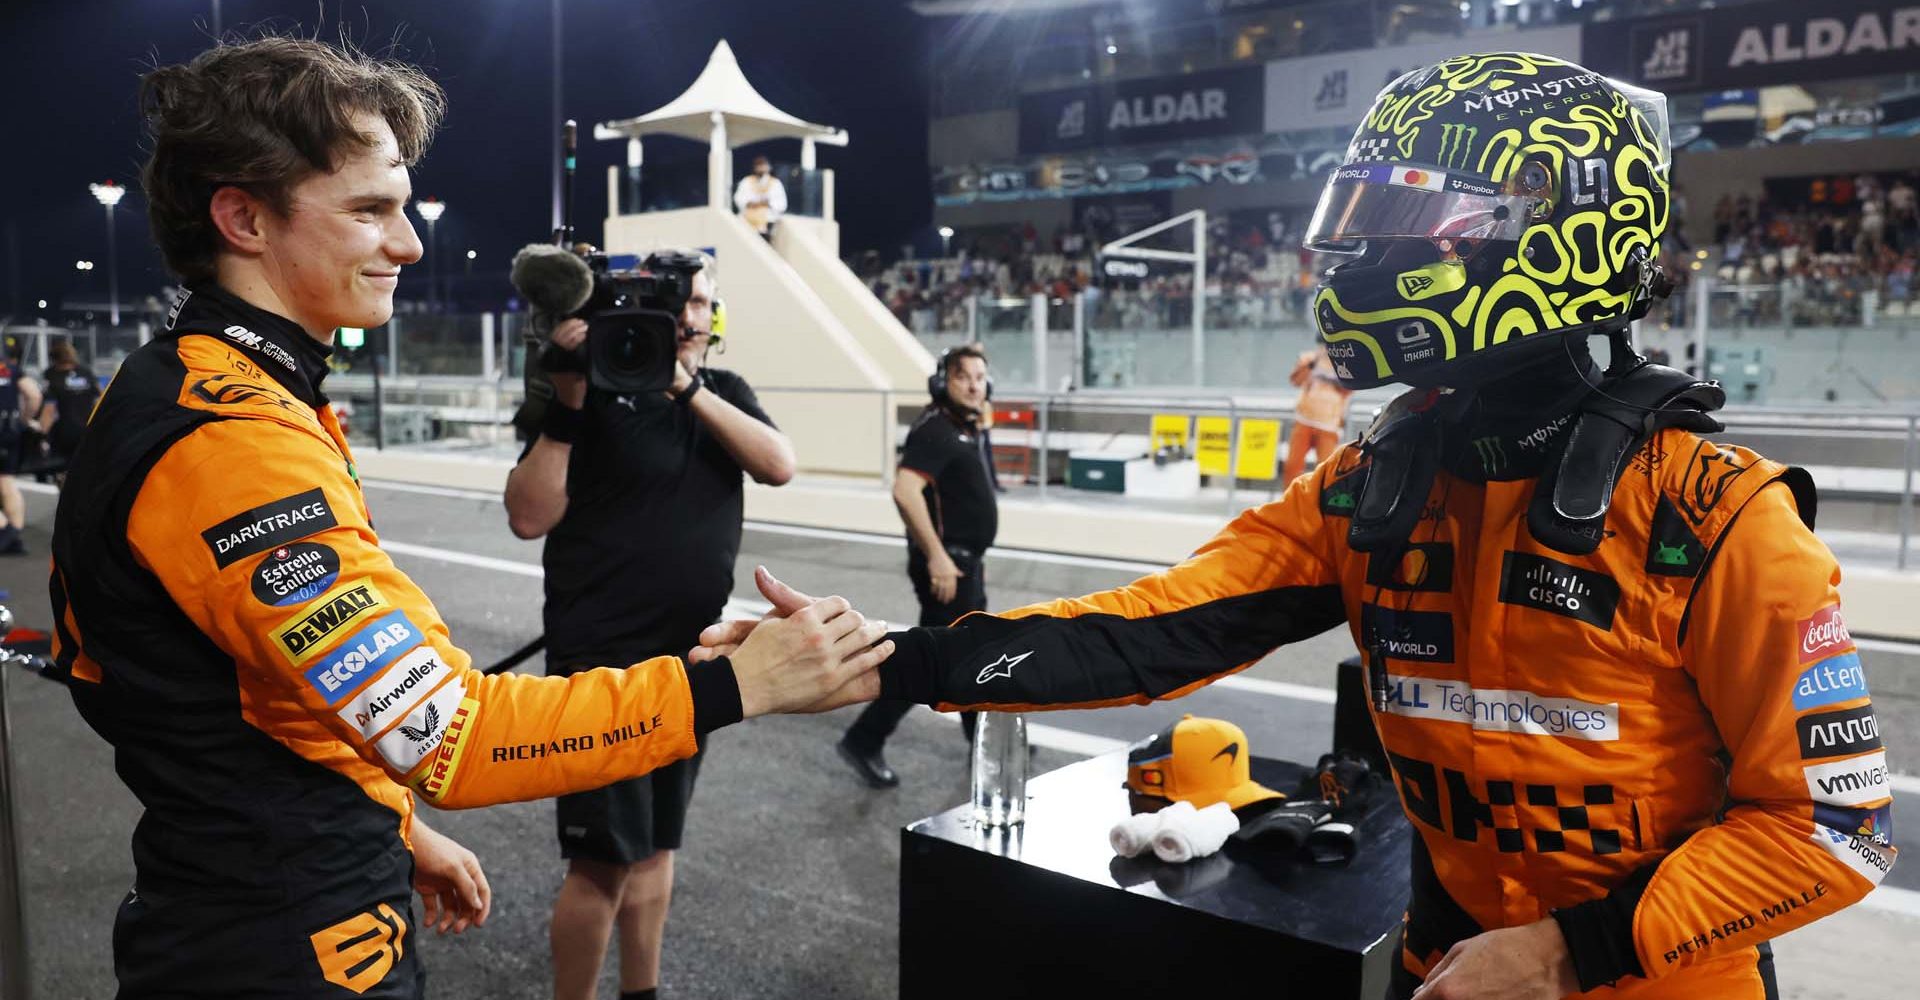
(1201, 761)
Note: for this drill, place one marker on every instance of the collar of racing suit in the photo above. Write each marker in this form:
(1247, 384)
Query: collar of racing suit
(282, 347)
(1511, 428)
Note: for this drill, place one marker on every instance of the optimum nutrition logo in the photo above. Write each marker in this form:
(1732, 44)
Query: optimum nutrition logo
(1456, 144)
(1552, 586)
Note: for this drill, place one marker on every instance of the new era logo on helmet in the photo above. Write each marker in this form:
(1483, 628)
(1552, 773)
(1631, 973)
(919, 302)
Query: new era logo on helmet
(1414, 284)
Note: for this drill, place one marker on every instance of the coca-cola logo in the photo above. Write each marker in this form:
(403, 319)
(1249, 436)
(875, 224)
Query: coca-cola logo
(1823, 634)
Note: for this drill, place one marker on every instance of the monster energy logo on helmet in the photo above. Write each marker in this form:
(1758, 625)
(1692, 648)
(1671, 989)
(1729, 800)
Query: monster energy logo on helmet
(1456, 144)
(1493, 455)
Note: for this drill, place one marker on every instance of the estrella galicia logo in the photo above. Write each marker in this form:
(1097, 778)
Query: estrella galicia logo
(295, 573)
(268, 526)
(1002, 667)
(1838, 734)
(1424, 567)
(1673, 549)
(1456, 144)
(1834, 679)
(1425, 636)
(1552, 586)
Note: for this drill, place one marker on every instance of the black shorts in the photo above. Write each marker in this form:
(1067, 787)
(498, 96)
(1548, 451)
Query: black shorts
(12, 448)
(629, 820)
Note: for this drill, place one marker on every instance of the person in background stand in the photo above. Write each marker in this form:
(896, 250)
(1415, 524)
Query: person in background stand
(1320, 416)
(72, 390)
(761, 199)
(19, 405)
(640, 500)
(944, 489)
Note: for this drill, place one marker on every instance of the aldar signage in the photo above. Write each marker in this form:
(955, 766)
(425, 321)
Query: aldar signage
(1759, 45)
(1158, 109)
(1334, 91)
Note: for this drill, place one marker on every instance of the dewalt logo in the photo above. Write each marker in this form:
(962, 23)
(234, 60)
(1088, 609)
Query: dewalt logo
(303, 637)
(1456, 144)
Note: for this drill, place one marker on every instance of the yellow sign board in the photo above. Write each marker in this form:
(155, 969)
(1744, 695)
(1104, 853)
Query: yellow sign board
(1214, 445)
(1169, 429)
(1259, 450)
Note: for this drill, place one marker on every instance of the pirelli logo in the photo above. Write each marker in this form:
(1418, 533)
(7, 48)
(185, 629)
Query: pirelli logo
(305, 636)
(446, 760)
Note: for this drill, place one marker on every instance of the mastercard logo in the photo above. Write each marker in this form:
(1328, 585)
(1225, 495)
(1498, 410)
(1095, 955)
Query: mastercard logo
(1417, 177)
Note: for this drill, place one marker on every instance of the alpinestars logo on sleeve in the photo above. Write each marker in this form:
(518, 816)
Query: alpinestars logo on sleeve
(1002, 667)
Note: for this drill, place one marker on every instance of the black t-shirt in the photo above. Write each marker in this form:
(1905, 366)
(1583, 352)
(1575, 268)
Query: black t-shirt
(643, 558)
(960, 498)
(72, 391)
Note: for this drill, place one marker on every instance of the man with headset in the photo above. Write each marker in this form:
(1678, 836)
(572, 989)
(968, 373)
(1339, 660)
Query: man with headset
(945, 491)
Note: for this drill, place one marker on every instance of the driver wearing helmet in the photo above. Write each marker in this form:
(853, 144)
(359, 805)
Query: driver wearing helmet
(1606, 655)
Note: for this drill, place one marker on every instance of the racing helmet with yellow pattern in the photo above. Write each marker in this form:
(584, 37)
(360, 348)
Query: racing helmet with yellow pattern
(1489, 207)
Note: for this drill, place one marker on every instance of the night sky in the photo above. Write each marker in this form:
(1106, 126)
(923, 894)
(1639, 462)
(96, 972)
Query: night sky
(70, 71)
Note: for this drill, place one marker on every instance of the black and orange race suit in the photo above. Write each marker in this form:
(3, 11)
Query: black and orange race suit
(1668, 741)
(276, 690)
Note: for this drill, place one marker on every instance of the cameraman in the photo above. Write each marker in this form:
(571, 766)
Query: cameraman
(639, 498)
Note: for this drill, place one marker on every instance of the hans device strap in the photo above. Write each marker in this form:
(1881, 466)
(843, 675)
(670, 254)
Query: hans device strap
(1570, 503)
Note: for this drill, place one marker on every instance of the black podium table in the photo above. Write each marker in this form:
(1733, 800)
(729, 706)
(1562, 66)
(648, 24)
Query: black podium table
(1047, 908)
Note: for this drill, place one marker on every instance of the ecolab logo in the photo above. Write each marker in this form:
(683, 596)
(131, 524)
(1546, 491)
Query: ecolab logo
(1823, 634)
(370, 649)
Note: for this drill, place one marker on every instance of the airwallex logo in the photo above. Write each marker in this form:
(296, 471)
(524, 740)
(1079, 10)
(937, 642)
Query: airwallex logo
(1552, 586)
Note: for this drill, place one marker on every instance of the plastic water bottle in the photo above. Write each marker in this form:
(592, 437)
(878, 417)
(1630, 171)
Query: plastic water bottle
(1000, 769)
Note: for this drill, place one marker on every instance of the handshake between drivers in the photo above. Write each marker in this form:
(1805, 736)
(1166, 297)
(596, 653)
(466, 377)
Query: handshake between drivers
(805, 655)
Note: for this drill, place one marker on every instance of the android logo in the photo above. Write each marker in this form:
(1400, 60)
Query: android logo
(1670, 555)
(1340, 501)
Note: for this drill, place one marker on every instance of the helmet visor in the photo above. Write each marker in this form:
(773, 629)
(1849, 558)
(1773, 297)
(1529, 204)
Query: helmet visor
(1364, 201)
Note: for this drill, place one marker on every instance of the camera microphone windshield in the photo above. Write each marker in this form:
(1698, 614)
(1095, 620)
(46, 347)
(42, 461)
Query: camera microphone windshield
(554, 280)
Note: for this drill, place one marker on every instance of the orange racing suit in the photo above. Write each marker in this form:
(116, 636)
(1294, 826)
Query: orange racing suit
(276, 690)
(1667, 744)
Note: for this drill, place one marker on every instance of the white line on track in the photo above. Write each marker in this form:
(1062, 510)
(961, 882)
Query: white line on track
(826, 534)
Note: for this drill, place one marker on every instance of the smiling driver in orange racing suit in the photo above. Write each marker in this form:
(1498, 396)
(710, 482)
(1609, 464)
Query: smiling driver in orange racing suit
(1635, 742)
(275, 688)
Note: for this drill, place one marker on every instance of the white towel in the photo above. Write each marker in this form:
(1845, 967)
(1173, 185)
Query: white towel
(1133, 836)
(1196, 834)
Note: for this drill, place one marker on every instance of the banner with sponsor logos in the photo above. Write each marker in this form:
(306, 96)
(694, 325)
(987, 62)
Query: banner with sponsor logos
(1197, 164)
(1758, 45)
(1334, 91)
(1131, 112)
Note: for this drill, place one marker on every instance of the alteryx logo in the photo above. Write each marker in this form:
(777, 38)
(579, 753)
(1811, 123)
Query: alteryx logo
(1835, 679)
(370, 649)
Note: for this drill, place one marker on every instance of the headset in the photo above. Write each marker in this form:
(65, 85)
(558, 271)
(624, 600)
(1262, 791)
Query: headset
(937, 382)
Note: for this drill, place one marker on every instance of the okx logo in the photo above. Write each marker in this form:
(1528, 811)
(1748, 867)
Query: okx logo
(1456, 144)
(1554, 587)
